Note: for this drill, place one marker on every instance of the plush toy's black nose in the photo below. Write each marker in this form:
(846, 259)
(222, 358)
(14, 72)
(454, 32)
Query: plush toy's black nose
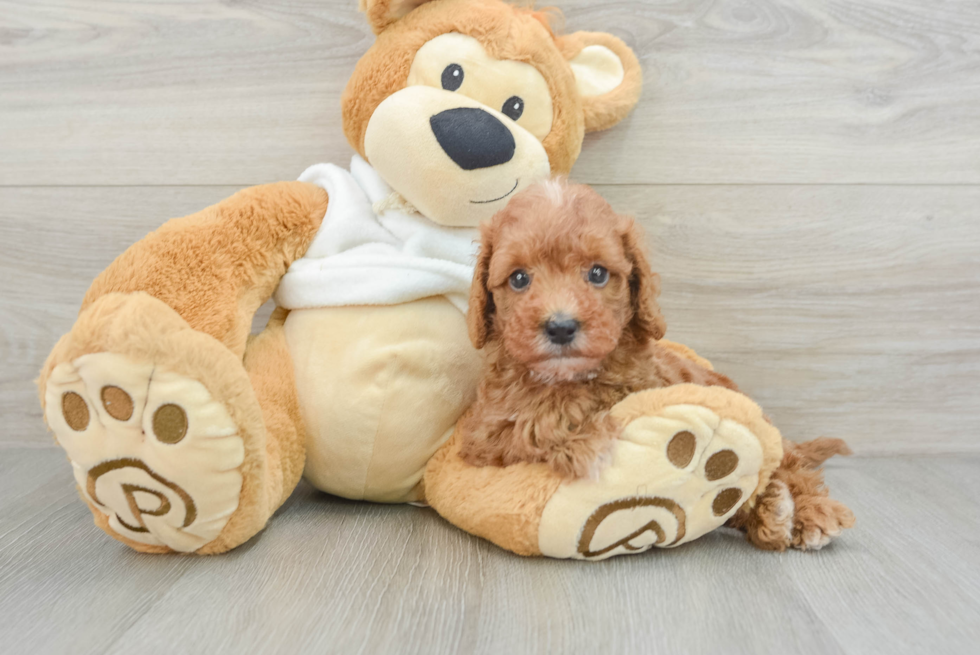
(473, 138)
(561, 331)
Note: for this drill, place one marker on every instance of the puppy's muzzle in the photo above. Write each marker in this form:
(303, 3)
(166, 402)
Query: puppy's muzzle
(473, 138)
(561, 330)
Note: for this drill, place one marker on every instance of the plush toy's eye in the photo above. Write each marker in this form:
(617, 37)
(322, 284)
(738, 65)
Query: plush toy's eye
(598, 276)
(452, 77)
(519, 280)
(513, 108)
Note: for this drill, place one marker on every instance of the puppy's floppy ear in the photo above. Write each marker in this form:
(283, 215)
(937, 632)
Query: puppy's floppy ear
(647, 322)
(382, 13)
(479, 316)
(607, 75)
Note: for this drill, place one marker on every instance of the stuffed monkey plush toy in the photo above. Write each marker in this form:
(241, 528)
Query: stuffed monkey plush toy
(185, 433)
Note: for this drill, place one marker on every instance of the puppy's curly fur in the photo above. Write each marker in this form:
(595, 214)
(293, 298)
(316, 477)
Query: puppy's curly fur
(542, 401)
(565, 305)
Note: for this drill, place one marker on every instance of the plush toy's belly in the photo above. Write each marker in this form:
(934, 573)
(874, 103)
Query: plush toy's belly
(381, 388)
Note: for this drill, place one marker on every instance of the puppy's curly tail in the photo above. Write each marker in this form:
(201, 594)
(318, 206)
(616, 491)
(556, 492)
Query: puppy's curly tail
(811, 454)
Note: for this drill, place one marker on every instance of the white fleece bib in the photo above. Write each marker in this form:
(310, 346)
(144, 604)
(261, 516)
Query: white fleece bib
(359, 257)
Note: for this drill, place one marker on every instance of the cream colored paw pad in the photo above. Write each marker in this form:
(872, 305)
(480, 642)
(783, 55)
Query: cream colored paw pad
(672, 478)
(150, 449)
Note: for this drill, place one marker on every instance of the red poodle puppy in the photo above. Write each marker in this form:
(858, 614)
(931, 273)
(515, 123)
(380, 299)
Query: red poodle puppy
(564, 302)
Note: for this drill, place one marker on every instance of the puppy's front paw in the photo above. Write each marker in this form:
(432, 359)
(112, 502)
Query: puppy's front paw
(581, 458)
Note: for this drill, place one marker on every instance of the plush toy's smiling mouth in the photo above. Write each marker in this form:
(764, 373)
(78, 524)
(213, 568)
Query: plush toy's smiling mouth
(486, 202)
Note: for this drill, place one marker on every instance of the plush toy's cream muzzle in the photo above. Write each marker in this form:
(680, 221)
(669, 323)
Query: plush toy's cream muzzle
(456, 160)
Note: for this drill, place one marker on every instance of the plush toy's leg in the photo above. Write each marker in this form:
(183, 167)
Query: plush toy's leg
(687, 458)
(217, 267)
(795, 510)
(180, 437)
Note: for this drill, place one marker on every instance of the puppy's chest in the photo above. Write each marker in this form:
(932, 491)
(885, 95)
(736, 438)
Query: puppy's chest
(577, 402)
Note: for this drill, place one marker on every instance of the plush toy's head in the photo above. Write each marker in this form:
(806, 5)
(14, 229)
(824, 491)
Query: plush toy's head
(459, 104)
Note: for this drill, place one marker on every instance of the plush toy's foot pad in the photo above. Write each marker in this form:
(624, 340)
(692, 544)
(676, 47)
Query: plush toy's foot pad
(151, 450)
(677, 472)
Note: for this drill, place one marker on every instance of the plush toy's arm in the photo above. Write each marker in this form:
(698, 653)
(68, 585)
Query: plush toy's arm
(218, 266)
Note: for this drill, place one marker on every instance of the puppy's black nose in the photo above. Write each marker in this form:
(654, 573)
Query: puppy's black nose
(473, 138)
(561, 331)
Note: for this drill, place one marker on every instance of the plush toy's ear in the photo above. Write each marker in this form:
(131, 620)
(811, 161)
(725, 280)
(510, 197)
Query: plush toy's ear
(382, 13)
(607, 75)
(479, 317)
(647, 322)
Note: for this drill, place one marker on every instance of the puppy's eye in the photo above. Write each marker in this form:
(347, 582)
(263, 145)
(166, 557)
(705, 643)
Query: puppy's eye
(513, 108)
(452, 77)
(519, 280)
(598, 276)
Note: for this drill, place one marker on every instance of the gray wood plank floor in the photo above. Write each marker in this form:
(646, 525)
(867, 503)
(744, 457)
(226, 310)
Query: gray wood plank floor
(808, 173)
(330, 576)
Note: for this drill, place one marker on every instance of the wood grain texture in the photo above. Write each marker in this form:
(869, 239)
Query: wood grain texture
(737, 91)
(808, 173)
(845, 311)
(849, 311)
(331, 576)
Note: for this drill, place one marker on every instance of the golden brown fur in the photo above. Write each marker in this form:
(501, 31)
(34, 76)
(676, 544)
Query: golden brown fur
(508, 33)
(810, 517)
(218, 266)
(184, 296)
(542, 402)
